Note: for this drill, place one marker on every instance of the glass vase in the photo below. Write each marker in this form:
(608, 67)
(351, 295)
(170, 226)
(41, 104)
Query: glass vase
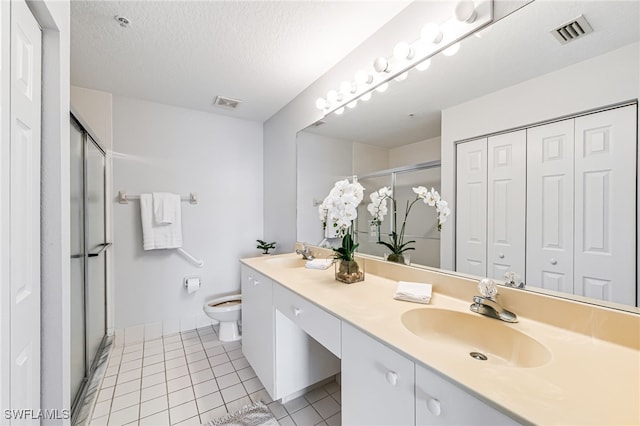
(404, 258)
(348, 271)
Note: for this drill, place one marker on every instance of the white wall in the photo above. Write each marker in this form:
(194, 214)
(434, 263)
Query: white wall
(597, 82)
(94, 110)
(369, 158)
(321, 162)
(164, 148)
(414, 153)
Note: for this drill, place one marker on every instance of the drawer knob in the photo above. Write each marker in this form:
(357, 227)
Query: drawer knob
(392, 378)
(501, 255)
(433, 405)
(297, 311)
(256, 282)
(553, 262)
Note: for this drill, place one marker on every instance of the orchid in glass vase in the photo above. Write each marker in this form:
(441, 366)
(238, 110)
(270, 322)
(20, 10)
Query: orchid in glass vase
(337, 213)
(378, 209)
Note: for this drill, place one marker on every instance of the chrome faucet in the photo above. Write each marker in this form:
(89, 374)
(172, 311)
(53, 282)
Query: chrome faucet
(488, 304)
(305, 252)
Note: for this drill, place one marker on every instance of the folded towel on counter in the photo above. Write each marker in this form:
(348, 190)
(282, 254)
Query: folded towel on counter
(319, 263)
(413, 292)
(155, 236)
(165, 206)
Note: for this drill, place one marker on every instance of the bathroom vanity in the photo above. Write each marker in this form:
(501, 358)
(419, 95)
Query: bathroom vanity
(405, 363)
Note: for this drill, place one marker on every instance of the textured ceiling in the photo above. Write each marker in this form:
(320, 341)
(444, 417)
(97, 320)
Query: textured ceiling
(185, 53)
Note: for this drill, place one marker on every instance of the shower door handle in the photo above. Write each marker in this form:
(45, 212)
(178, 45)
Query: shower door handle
(102, 248)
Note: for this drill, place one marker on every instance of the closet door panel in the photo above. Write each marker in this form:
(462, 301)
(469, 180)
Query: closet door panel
(549, 228)
(506, 158)
(471, 207)
(605, 214)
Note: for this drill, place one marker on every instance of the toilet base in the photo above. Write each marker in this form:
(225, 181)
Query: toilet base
(228, 331)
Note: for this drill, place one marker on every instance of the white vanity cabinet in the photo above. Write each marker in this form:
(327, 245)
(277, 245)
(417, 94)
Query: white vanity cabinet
(258, 325)
(279, 332)
(377, 382)
(439, 402)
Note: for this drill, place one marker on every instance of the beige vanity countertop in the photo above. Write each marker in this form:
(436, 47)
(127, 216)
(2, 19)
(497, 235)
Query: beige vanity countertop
(587, 380)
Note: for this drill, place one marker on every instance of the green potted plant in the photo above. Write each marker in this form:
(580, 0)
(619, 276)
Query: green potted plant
(265, 246)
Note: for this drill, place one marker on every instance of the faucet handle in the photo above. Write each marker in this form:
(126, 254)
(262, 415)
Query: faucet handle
(512, 279)
(487, 288)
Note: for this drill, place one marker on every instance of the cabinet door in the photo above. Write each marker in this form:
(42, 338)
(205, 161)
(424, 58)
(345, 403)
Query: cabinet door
(550, 156)
(506, 190)
(377, 382)
(439, 402)
(258, 326)
(471, 207)
(605, 205)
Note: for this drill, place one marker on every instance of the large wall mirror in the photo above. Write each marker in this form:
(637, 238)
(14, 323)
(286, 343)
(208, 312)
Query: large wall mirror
(515, 69)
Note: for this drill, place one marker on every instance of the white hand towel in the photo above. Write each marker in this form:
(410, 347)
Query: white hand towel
(164, 207)
(413, 292)
(318, 263)
(156, 236)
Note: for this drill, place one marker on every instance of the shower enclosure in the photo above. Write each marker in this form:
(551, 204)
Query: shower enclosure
(88, 258)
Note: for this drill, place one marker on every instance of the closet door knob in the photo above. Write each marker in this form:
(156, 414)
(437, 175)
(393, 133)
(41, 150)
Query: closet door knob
(392, 378)
(297, 311)
(553, 262)
(433, 405)
(501, 255)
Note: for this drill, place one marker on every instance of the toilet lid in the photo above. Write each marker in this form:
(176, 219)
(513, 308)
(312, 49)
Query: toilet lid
(224, 304)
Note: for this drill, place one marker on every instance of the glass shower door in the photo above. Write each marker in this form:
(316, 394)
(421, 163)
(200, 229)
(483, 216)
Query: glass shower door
(95, 285)
(78, 357)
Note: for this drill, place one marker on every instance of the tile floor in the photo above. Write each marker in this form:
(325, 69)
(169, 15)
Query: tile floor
(190, 378)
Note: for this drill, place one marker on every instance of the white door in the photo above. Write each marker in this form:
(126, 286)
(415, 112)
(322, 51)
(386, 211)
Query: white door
(549, 255)
(506, 187)
(24, 237)
(605, 214)
(471, 207)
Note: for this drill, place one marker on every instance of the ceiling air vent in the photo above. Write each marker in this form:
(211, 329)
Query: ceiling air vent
(572, 30)
(229, 103)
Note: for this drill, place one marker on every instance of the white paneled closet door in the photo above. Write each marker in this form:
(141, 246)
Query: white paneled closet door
(24, 237)
(605, 212)
(471, 207)
(549, 257)
(506, 187)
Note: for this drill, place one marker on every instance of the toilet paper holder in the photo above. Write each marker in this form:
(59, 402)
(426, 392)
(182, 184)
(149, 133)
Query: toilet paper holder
(192, 284)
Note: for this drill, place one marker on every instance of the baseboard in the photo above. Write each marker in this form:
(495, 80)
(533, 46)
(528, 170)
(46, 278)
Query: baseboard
(155, 330)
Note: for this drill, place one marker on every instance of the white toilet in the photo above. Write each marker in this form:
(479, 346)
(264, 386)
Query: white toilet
(226, 310)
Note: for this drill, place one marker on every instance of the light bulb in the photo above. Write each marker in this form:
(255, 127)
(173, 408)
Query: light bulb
(340, 110)
(346, 88)
(321, 103)
(332, 96)
(381, 65)
(363, 77)
(402, 76)
(451, 50)
(352, 104)
(403, 51)
(366, 97)
(424, 65)
(383, 87)
(431, 33)
(465, 11)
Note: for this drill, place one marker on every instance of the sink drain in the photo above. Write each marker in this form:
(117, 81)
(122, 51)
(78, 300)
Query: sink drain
(479, 356)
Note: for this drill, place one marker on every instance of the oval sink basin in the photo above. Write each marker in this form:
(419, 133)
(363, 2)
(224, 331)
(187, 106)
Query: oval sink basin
(499, 342)
(287, 262)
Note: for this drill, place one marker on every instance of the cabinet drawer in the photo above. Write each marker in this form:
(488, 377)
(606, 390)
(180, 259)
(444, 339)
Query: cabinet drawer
(317, 323)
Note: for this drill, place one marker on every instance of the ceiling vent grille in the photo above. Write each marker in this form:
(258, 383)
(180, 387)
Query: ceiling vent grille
(572, 30)
(228, 103)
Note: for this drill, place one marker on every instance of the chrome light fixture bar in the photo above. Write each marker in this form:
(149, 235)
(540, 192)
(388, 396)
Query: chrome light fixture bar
(468, 16)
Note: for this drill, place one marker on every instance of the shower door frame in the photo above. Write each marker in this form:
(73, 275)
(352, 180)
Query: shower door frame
(89, 364)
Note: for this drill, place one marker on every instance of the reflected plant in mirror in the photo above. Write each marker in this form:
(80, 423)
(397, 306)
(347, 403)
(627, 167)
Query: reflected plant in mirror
(378, 209)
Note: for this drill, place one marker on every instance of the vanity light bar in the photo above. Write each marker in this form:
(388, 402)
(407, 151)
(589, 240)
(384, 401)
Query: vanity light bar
(468, 17)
